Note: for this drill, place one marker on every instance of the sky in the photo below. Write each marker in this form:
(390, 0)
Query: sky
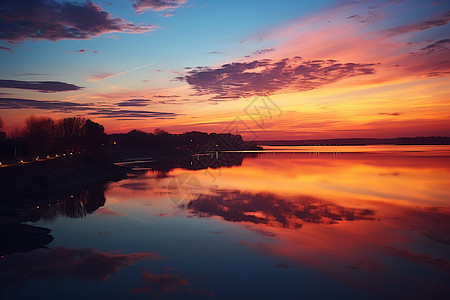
(269, 70)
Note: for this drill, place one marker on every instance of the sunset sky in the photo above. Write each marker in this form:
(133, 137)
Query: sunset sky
(321, 69)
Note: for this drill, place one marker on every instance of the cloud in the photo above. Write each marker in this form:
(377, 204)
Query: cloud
(157, 5)
(139, 102)
(13, 103)
(167, 15)
(390, 114)
(51, 20)
(266, 76)
(369, 18)
(439, 20)
(134, 102)
(61, 262)
(89, 109)
(260, 52)
(40, 86)
(166, 96)
(81, 51)
(5, 48)
(32, 74)
(117, 113)
(441, 45)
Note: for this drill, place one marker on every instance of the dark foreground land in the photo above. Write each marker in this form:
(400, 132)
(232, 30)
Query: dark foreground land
(26, 189)
(74, 186)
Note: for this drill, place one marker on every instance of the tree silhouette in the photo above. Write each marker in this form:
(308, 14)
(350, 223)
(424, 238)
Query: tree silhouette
(40, 134)
(71, 132)
(94, 134)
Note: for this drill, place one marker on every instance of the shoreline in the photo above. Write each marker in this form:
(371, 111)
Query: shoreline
(24, 189)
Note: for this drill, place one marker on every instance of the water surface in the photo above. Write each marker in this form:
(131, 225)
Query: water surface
(287, 223)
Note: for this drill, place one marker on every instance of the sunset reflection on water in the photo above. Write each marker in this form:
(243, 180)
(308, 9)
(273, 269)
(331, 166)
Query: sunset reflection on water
(369, 224)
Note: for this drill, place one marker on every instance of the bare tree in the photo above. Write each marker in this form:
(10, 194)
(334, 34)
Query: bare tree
(40, 134)
(71, 132)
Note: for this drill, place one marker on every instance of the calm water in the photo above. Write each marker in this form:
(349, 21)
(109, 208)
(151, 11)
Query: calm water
(287, 223)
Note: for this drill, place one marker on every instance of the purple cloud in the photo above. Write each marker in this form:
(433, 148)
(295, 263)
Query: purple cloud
(134, 102)
(157, 5)
(266, 76)
(87, 108)
(40, 86)
(5, 48)
(81, 51)
(440, 45)
(439, 20)
(51, 20)
(262, 51)
(118, 113)
(13, 103)
(32, 74)
(166, 96)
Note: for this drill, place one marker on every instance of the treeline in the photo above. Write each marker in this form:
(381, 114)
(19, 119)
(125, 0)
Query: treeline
(45, 136)
(163, 143)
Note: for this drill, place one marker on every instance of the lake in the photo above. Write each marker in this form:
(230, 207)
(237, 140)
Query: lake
(284, 223)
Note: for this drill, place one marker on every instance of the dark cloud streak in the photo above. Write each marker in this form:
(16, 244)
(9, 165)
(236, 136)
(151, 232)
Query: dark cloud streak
(440, 45)
(5, 48)
(88, 108)
(439, 20)
(40, 86)
(134, 102)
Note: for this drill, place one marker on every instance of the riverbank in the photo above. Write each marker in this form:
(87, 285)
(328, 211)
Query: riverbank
(34, 185)
(27, 189)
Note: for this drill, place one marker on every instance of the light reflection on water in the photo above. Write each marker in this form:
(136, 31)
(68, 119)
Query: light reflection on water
(276, 225)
